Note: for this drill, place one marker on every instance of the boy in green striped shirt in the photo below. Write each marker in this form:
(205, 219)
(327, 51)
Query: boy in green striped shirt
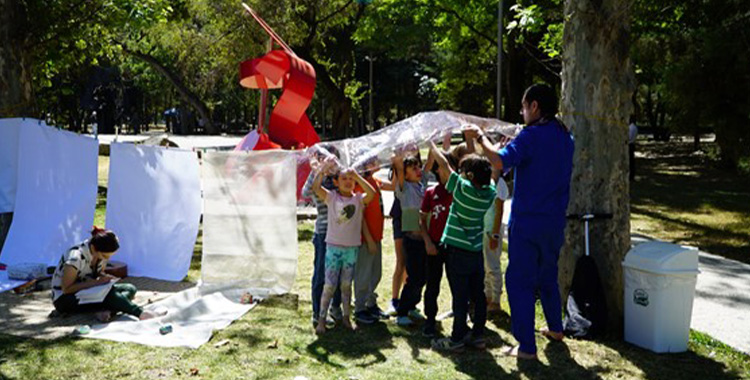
(473, 194)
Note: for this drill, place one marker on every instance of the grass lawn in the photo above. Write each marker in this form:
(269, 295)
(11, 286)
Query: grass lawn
(275, 341)
(681, 196)
(678, 197)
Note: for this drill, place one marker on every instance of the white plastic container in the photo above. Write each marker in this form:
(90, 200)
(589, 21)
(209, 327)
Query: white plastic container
(659, 289)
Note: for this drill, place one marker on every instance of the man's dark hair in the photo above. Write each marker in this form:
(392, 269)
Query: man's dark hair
(545, 97)
(480, 169)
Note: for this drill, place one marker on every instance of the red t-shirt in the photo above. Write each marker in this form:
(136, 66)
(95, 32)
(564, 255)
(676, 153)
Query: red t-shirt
(373, 212)
(437, 202)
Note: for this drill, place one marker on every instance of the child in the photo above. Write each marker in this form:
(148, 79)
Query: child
(344, 235)
(368, 270)
(410, 192)
(434, 213)
(493, 245)
(472, 196)
(319, 244)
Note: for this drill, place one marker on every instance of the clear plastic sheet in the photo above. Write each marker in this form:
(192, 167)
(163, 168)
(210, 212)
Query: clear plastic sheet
(407, 134)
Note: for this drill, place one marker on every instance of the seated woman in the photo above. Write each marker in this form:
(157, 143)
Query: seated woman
(82, 267)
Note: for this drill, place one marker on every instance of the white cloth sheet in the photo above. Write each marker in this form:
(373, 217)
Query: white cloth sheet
(250, 220)
(55, 197)
(9, 135)
(154, 206)
(194, 315)
(6, 283)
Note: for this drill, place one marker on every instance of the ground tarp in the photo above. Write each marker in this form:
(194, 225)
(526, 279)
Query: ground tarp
(154, 207)
(194, 314)
(249, 220)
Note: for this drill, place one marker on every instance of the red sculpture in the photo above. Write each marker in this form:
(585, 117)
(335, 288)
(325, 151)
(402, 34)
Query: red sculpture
(289, 125)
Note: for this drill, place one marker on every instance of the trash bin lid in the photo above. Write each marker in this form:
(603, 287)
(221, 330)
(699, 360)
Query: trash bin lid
(662, 258)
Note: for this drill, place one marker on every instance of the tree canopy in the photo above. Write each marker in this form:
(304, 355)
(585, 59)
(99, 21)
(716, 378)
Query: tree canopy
(132, 60)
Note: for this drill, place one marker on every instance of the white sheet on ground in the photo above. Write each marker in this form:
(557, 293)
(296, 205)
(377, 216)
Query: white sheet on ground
(154, 206)
(249, 220)
(55, 196)
(194, 315)
(8, 284)
(9, 136)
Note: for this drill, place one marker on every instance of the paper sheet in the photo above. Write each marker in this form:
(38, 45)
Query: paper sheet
(154, 206)
(10, 130)
(250, 220)
(55, 197)
(8, 284)
(194, 315)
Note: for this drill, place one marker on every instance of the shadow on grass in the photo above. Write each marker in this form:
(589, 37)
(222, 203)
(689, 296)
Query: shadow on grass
(685, 365)
(367, 341)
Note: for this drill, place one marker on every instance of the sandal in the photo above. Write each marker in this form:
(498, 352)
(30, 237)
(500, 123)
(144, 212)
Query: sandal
(517, 353)
(552, 335)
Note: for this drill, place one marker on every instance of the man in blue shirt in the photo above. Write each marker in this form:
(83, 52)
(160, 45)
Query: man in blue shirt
(542, 155)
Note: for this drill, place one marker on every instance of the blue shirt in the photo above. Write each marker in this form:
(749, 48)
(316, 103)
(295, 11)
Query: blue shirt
(542, 155)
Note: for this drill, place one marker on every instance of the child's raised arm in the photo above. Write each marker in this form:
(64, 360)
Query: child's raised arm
(444, 169)
(369, 190)
(397, 162)
(317, 186)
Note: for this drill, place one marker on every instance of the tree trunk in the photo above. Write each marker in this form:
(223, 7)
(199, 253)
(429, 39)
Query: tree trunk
(188, 96)
(15, 74)
(596, 102)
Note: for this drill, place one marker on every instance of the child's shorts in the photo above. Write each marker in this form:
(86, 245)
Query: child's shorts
(397, 233)
(338, 258)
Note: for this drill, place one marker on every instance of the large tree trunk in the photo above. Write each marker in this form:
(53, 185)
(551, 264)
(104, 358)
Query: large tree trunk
(15, 74)
(596, 102)
(188, 96)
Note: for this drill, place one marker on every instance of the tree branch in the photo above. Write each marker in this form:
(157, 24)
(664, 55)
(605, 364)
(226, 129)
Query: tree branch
(334, 13)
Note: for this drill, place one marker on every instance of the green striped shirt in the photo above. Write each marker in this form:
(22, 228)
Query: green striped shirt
(466, 218)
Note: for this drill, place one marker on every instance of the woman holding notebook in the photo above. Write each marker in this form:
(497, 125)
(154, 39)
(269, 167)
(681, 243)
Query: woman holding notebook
(82, 267)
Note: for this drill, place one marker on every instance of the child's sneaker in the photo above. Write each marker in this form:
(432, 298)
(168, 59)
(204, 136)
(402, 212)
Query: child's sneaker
(330, 323)
(393, 308)
(476, 342)
(416, 315)
(376, 312)
(447, 345)
(336, 313)
(404, 321)
(364, 317)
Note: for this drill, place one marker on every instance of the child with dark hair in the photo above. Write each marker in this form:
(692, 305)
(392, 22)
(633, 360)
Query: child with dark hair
(319, 245)
(369, 266)
(82, 267)
(434, 214)
(344, 235)
(473, 194)
(409, 190)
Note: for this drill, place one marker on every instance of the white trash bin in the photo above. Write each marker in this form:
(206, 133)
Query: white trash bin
(659, 289)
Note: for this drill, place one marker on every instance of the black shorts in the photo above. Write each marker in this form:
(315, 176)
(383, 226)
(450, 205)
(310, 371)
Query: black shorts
(397, 233)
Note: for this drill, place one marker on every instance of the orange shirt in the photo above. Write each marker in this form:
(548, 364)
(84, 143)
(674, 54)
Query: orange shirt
(373, 212)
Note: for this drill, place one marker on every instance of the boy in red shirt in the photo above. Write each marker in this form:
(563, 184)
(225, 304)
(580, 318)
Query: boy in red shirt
(434, 214)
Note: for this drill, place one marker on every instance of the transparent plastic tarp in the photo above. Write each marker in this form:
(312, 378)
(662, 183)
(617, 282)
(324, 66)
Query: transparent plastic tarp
(55, 196)
(412, 132)
(154, 206)
(250, 220)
